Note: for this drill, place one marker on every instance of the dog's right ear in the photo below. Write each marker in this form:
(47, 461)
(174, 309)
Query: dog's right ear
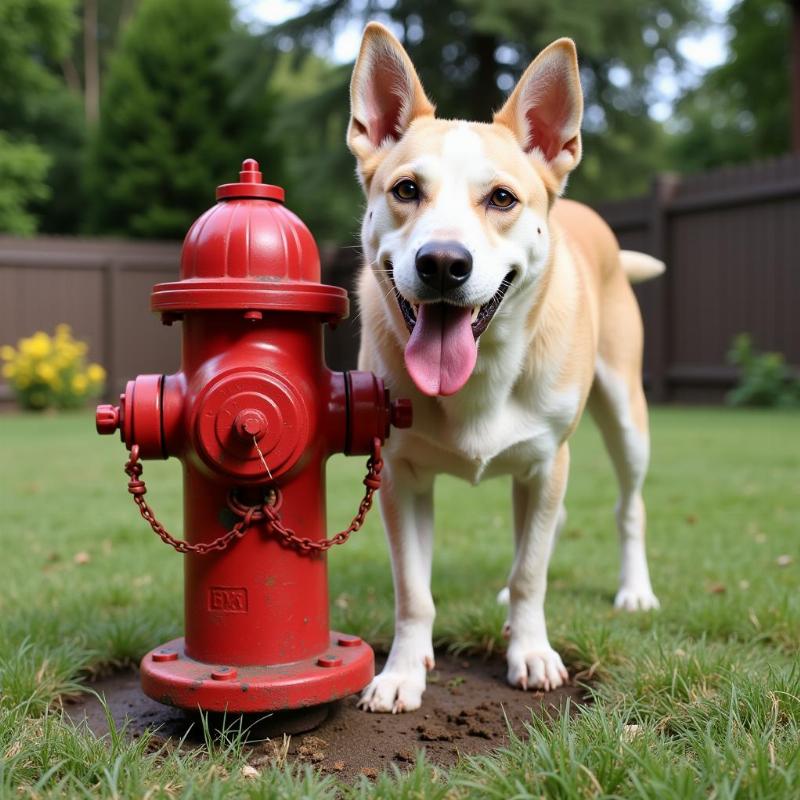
(385, 93)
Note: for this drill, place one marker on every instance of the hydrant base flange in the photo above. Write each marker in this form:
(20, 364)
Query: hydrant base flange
(171, 677)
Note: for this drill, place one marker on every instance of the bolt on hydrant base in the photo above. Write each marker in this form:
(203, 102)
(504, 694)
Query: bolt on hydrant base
(253, 415)
(173, 678)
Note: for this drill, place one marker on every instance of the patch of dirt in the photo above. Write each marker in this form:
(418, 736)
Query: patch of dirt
(466, 710)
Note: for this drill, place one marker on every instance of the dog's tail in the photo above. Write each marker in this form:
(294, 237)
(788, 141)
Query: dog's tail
(640, 267)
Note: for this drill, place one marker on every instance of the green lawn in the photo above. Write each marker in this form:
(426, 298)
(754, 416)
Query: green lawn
(712, 680)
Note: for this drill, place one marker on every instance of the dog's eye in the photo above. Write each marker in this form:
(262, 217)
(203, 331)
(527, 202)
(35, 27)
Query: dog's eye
(406, 190)
(502, 198)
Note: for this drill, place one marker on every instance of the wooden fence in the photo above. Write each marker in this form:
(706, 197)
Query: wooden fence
(730, 240)
(101, 288)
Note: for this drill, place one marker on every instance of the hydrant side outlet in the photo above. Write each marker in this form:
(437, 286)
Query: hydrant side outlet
(253, 414)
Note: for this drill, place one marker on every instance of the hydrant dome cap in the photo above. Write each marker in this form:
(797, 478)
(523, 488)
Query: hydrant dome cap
(250, 252)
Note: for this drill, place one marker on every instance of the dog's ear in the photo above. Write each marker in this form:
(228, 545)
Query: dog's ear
(546, 107)
(385, 93)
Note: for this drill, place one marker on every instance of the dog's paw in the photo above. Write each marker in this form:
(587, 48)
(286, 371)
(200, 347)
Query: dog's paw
(504, 596)
(535, 668)
(394, 692)
(636, 598)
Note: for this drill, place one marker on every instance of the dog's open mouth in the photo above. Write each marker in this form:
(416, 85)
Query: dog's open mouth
(443, 348)
(481, 316)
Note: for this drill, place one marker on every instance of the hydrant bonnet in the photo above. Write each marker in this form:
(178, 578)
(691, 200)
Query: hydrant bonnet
(250, 252)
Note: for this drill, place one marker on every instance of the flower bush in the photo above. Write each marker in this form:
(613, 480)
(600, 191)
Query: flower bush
(51, 371)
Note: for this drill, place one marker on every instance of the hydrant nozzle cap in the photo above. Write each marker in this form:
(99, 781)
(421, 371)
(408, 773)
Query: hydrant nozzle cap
(250, 185)
(401, 413)
(107, 419)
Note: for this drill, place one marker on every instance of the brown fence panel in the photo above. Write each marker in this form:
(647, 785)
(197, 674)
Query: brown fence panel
(99, 287)
(729, 239)
(102, 289)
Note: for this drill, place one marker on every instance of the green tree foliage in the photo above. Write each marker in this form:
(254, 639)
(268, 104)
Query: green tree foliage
(317, 168)
(170, 125)
(23, 167)
(741, 111)
(469, 54)
(37, 111)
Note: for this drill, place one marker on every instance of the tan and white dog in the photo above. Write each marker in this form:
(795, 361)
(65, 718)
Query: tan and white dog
(501, 311)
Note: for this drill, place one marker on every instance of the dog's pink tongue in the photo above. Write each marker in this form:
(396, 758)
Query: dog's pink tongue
(441, 353)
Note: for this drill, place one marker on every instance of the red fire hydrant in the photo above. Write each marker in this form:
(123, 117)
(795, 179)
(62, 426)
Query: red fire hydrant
(253, 414)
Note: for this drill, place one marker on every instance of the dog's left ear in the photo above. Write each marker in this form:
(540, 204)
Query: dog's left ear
(546, 108)
(385, 93)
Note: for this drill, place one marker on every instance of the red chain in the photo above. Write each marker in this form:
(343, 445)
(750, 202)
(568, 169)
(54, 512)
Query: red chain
(266, 513)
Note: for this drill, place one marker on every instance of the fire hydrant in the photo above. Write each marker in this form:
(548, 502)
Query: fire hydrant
(253, 414)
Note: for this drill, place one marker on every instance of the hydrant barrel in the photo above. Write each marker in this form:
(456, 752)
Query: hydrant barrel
(253, 415)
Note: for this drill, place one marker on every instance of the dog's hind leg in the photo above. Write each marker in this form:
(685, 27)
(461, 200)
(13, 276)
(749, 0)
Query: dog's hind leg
(407, 510)
(618, 406)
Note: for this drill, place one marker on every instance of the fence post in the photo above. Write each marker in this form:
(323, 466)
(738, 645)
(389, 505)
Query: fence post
(663, 189)
(109, 334)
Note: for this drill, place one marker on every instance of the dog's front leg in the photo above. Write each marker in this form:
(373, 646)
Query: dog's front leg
(532, 662)
(407, 510)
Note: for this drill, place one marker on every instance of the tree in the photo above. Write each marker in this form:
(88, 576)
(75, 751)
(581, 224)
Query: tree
(23, 167)
(469, 53)
(36, 108)
(171, 125)
(99, 29)
(317, 168)
(741, 111)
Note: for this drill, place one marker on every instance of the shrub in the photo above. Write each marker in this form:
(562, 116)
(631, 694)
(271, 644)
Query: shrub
(51, 371)
(170, 128)
(764, 378)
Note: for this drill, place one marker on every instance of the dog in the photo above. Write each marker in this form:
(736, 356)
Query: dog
(502, 311)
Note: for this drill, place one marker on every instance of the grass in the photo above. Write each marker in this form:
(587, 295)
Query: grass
(701, 699)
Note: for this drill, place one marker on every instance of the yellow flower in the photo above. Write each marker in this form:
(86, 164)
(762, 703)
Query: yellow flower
(7, 352)
(79, 383)
(95, 373)
(67, 353)
(9, 370)
(38, 346)
(63, 331)
(46, 372)
(23, 367)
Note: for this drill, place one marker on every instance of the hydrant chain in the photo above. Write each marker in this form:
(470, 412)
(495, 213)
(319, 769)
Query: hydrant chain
(268, 513)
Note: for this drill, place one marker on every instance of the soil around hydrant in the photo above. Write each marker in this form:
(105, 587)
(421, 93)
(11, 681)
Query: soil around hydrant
(467, 709)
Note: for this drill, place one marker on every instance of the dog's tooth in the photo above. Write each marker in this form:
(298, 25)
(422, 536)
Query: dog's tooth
(475, 312)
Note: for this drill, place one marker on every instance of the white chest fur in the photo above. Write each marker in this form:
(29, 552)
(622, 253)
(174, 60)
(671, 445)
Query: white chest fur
(514, 437)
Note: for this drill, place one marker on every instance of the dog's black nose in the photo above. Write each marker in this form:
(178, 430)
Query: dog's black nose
(443, 265)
